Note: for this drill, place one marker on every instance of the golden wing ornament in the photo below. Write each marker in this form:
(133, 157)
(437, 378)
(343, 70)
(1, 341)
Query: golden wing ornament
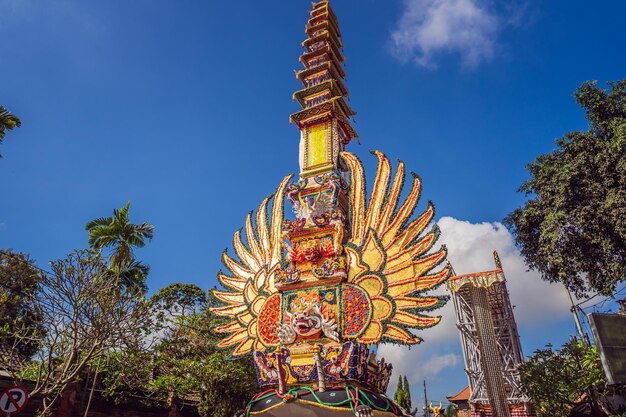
(382, 255)
(389, 257)
(251, 302)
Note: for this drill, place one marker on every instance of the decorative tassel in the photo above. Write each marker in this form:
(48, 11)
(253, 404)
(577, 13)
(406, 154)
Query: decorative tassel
(321, 378)
(281, 377)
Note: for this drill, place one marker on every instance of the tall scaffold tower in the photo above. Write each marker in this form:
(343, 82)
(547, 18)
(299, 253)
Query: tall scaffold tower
(491, 345)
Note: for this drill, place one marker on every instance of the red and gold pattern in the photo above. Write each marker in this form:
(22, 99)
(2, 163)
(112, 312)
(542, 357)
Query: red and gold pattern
(356, 311)
(270, 315)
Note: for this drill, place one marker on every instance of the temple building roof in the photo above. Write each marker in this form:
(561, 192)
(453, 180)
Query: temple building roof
(461, 396)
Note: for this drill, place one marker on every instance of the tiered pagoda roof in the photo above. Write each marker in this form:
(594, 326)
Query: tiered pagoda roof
(324, 93)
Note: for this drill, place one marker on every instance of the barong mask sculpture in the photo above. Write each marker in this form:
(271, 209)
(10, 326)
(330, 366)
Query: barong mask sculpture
(307, 296)
(304, 320)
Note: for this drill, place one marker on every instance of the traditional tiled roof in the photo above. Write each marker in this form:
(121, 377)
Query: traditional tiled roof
(461, 396)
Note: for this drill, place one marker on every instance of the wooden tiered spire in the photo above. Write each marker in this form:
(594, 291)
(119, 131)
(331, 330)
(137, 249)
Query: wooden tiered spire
(325, 116)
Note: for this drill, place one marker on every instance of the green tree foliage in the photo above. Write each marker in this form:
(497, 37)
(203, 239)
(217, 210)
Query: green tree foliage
(180, 299)
(8, 121)
(84, 315)
(573, 228)
(19, 281)
(95, 328)
(407, 395)
(556, 379)
(190, 365)
(398, 397)
(119, 235)
(402, 397)
(184, 362)
(451, 411)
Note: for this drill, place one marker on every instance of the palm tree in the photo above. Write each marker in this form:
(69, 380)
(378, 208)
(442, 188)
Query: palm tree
(132, 276)
(121, 236)
(8, 121)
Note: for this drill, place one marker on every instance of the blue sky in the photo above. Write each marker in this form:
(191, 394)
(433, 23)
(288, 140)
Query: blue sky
(182, 108)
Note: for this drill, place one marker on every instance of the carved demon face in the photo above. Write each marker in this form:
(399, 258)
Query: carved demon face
(305, 317)
(312, 254)
(307, 322)
(308, 318)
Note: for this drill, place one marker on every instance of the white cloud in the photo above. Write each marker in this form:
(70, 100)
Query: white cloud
(424, 362)
(429, 27)
(439, 363)
(470, 248)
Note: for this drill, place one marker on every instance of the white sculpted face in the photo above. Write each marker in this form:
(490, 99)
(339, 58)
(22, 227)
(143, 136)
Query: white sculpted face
(306, 322)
